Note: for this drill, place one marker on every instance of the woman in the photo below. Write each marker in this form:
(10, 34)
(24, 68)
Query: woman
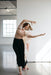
(18, 43)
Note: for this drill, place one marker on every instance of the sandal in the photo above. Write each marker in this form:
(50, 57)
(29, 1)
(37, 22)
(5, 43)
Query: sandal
(25, 69)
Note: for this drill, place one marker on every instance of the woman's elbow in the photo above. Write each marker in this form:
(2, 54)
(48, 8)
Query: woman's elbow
(29, 36)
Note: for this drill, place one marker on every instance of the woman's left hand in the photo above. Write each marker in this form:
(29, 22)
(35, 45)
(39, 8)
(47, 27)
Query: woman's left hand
(27, 46)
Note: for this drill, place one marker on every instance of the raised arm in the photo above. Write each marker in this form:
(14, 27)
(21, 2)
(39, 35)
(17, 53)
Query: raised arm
(21, 24)
(30, 21)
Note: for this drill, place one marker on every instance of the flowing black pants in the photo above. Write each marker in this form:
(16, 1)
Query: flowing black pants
(18, 46)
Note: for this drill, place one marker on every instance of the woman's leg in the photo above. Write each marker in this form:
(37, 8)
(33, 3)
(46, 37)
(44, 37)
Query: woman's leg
(23, 57)
(20, 71)
(25, 67)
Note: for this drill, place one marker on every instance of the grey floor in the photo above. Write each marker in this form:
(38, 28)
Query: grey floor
(8, 64)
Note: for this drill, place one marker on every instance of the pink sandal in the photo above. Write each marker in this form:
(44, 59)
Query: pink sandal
(25, 69)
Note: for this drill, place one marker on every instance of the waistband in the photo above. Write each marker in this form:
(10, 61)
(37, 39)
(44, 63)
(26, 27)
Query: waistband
(18, 39)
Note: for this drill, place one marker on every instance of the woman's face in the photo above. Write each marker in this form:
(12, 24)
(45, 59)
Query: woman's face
(26, 27)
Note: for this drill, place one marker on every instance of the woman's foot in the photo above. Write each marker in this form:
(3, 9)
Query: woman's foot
(26, 68)
(20, 73)
(23, 69)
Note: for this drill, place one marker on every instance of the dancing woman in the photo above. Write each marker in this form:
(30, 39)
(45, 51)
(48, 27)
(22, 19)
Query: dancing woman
(18, 43)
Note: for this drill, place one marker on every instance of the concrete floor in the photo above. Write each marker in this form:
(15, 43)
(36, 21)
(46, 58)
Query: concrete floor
(8, 64)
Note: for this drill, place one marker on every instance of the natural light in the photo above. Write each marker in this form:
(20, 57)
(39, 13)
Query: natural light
(9, 28)
(8, 59)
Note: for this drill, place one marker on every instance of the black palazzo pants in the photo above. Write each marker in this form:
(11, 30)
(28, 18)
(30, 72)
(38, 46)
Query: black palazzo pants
(18, 47)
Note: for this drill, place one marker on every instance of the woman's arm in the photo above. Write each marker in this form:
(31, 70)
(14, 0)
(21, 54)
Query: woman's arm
(30, 21)
(21, 24)
(27, 21)
(30, 36)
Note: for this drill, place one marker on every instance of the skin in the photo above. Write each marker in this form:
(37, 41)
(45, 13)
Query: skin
(20, 33)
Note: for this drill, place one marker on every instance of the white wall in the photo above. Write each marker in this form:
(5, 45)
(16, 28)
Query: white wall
(4, 40)
(40, 11)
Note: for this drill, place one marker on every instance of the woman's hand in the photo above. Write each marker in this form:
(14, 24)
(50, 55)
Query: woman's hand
(27, 46)
(42, 34)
